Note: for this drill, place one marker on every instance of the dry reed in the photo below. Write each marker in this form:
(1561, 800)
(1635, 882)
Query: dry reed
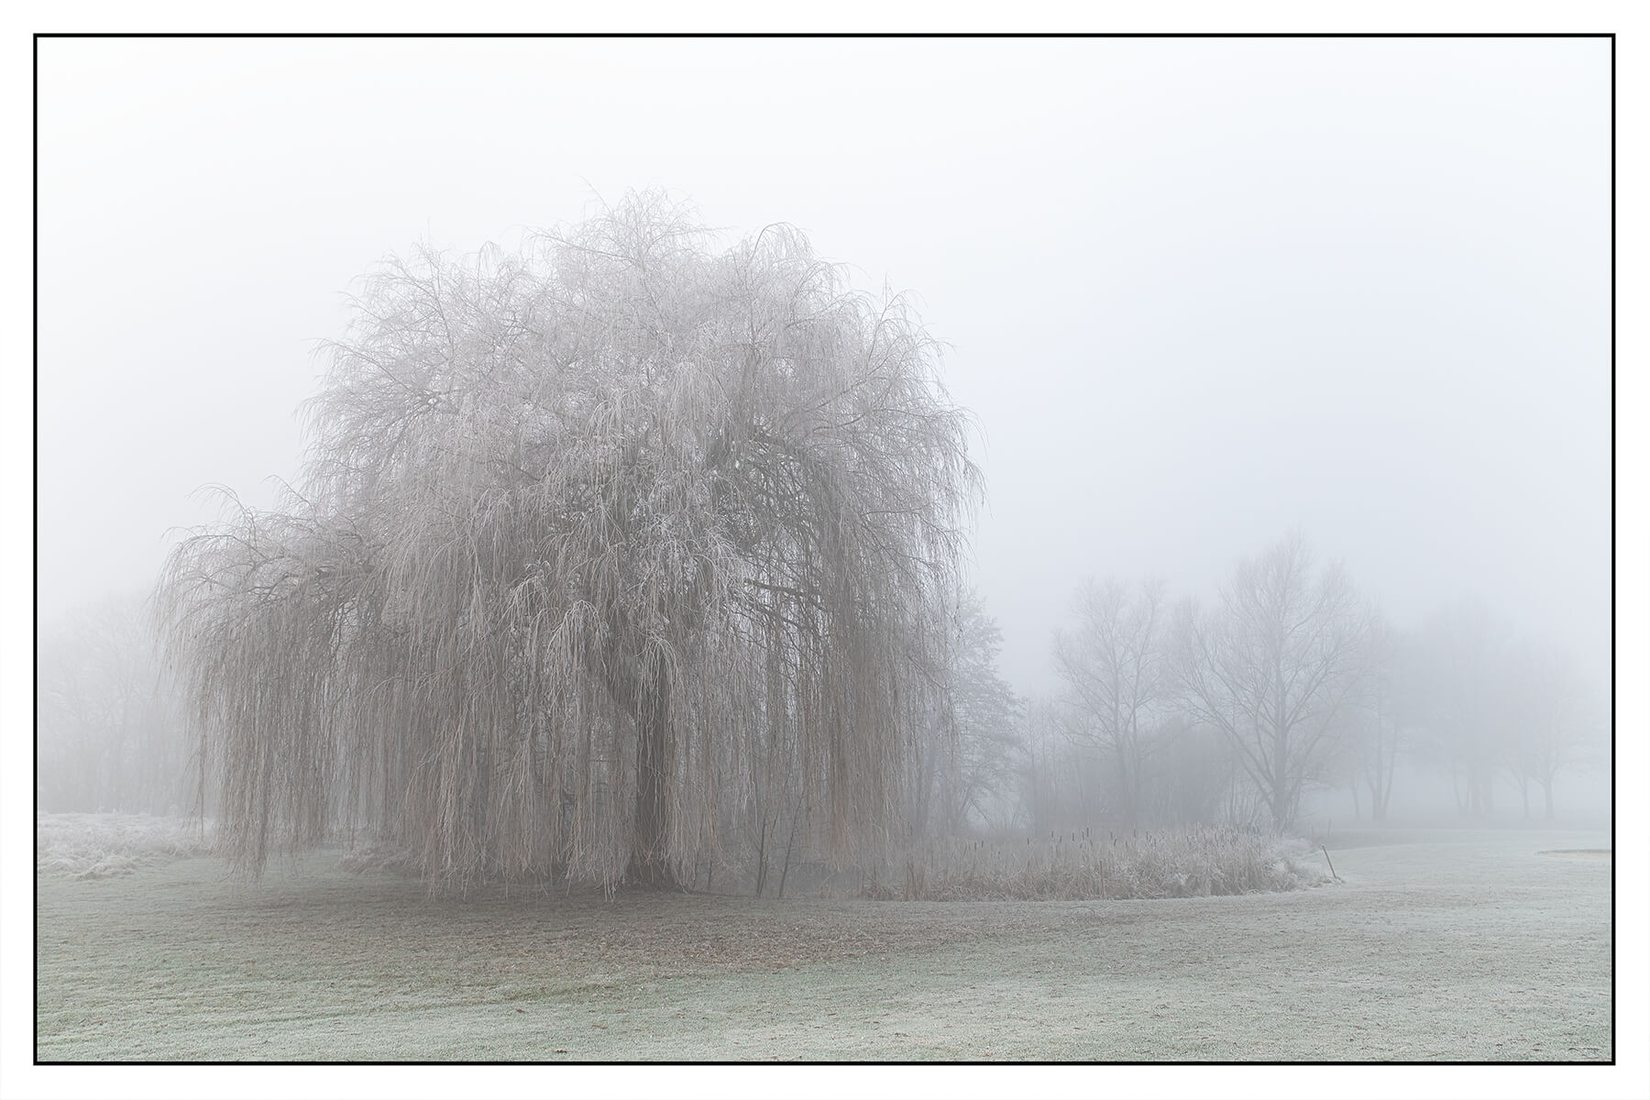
(1194, 862)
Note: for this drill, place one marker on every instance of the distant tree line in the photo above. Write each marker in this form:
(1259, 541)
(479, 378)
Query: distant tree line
(110, 728)
(1288, 682)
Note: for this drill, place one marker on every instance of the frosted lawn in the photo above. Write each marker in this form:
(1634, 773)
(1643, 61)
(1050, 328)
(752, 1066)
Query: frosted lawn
(1440, 945)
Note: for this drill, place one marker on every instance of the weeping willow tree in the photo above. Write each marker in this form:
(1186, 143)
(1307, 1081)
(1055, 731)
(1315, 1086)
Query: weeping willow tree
(600, 545)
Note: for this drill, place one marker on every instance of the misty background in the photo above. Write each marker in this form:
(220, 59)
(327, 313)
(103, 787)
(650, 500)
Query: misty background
(1197, 293)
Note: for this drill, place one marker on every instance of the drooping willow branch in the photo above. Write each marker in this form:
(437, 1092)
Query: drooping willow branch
(596, 541)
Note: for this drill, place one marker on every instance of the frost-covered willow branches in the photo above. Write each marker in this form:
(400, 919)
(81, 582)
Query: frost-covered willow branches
(604, 549)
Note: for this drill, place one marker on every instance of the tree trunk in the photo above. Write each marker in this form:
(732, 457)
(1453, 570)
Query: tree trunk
(1127, 782)
(790, 847)
(762, 856)
(650, 843)
(1382, 797)
(1282, 810)
(922, 794)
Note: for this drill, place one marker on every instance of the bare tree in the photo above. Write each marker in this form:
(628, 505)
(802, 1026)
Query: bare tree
(1049, 788)
(1379, 719)
(967, 762)
(1114, 671)
(1193, 781)
(108, 717)
(1553, 717)
(595, 541)
(1272, 667)
(1462, 696)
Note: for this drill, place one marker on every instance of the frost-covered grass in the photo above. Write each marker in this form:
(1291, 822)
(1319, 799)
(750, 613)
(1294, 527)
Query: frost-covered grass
(1439, 946)
(84, 846)
(1170, 863)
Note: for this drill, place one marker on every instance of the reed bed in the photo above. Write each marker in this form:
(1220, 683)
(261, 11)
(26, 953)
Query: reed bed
(1096, 863)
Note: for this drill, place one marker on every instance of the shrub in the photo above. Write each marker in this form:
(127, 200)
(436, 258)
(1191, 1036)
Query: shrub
(85, 846)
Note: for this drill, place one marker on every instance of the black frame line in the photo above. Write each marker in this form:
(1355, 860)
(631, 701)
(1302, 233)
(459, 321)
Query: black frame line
(810, 35)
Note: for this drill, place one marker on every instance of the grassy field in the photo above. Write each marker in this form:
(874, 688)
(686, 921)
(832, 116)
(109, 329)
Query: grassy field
(1438, 945)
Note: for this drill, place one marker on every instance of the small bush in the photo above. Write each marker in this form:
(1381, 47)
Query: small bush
(1098, 864)
(85, 846)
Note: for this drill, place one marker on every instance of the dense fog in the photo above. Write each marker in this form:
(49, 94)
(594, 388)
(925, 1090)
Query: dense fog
(1263, 479)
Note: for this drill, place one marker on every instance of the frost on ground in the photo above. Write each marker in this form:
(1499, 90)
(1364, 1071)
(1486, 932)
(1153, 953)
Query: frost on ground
(1444, 946)
(81, 846)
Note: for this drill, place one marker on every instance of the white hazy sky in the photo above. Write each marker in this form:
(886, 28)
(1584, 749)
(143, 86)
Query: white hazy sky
(1197, 292)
